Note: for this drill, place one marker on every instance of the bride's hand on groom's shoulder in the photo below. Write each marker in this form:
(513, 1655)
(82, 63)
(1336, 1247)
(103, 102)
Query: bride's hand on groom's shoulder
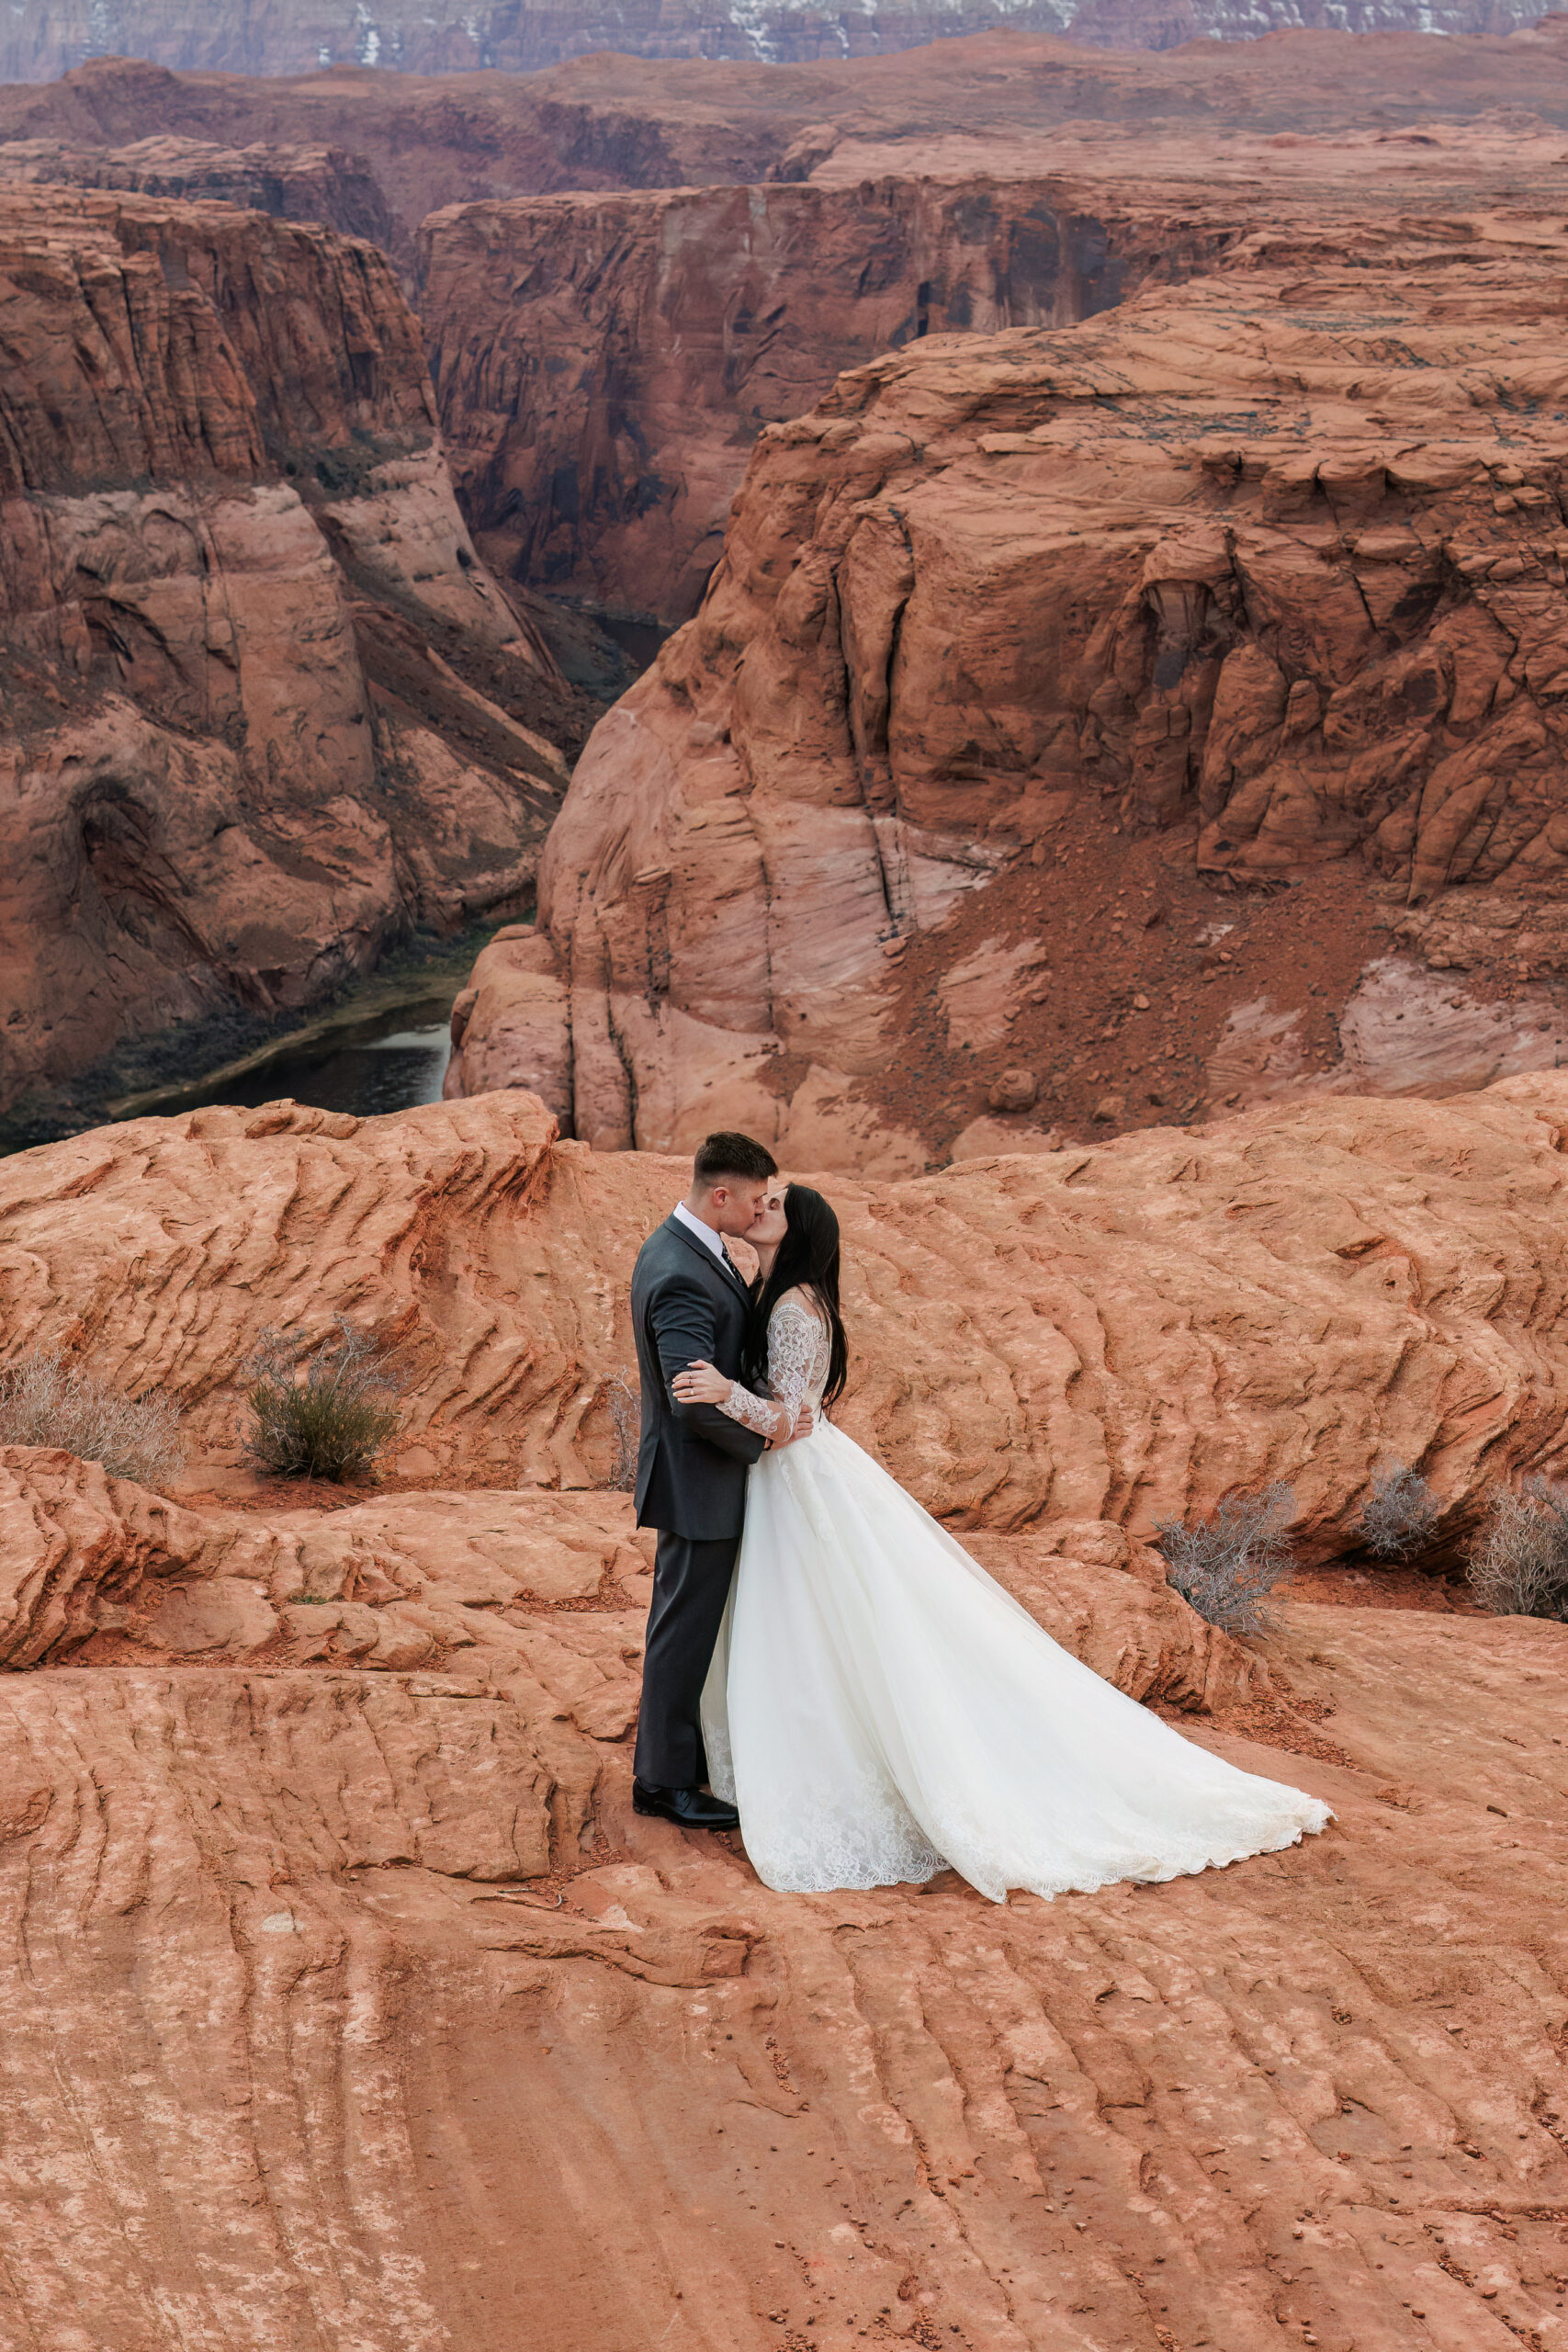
(700, 1385)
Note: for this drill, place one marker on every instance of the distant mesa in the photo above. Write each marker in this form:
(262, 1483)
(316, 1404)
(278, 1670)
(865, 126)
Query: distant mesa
(434, 37)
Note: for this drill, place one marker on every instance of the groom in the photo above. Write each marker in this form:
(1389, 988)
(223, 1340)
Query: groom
(688, 1301)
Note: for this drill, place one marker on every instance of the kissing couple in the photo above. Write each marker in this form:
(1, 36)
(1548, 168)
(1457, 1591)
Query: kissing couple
(827, 1669)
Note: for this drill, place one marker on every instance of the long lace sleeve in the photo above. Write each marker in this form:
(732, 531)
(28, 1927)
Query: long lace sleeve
(794, 1337)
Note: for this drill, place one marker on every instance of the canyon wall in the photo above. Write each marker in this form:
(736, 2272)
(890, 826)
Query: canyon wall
(316, 184)
(604, 122)
(602, 364)
(236, 596)
(349, 1989)
(1047, 682)
(439, 37)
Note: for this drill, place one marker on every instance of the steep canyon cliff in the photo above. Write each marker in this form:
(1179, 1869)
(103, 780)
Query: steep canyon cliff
(1161, 709)
(236, 595)
(603, 365)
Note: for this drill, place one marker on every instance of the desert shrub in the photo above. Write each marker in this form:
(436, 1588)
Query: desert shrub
(1519, 1568)
(45, 1401)
(333, 1422)
(1400, 1514)
(625, 1420)
(1226, 1566)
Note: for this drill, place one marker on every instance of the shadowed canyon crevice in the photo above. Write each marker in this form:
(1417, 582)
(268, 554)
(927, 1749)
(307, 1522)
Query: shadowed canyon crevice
(603, 365)
(265, 710)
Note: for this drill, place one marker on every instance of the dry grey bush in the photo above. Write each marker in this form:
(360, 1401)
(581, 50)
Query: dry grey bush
(45, 1401)
(1520, 1566)
(625, 1420)
(1226, 1566)
(1400, 1514)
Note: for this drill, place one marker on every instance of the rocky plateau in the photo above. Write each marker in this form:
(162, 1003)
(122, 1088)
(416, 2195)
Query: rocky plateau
(293, 183)
(349, 1998)
(608, 121)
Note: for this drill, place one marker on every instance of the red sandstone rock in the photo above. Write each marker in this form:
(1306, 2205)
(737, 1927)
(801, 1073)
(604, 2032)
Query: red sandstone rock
(286, 1905)
(308, 184)
(607, 121)
(351, 1991)
(235, 763)
(602, 121)
(1317, 1259)
(1258, 585)
(602, 364)
(99, 1573)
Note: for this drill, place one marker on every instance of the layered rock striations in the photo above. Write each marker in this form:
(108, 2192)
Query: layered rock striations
(602, 364)
(1046, 675)
(604, 122)
(351, 1991)
(1317, 1260)
(428, 142)
(315, 184)
(438, 38)
(236, 597)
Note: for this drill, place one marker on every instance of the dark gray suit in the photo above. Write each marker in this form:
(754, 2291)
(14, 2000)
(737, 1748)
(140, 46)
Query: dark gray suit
(691, 1485)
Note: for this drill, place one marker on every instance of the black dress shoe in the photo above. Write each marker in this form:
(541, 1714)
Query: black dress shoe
(691, 1808)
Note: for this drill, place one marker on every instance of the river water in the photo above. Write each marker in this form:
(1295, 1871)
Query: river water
(392, 1070)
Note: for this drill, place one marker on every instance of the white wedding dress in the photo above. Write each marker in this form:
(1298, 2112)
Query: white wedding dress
(879, 1708)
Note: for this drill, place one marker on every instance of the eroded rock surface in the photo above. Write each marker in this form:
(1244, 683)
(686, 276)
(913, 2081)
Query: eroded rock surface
(602, 365)
(346, 1987)
(265, 708)
(608, 120)
(1032, 656)
(1318, 1269)
(312, 184)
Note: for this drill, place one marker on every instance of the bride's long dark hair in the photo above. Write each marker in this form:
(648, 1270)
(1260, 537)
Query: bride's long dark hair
(808, 1260)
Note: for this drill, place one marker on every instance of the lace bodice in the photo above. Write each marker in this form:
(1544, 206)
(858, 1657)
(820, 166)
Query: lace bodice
(798, 1355)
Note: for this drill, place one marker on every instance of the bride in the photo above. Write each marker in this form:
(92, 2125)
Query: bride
(878, 1708)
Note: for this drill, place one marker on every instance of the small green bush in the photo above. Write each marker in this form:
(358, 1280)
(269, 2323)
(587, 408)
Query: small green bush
(334, 1423)
(45, 1401)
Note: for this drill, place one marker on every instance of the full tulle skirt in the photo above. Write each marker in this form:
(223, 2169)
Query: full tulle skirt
(879, 1710)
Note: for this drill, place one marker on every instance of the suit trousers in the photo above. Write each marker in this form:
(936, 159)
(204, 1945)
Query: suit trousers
(691, 1585)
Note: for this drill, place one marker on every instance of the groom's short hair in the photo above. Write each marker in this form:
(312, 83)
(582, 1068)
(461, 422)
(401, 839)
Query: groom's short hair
(734, 1155)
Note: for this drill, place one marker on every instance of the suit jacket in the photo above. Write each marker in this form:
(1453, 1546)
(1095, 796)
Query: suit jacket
(692, 1459)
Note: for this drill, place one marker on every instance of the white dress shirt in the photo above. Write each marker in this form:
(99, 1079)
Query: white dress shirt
(704, 1232)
